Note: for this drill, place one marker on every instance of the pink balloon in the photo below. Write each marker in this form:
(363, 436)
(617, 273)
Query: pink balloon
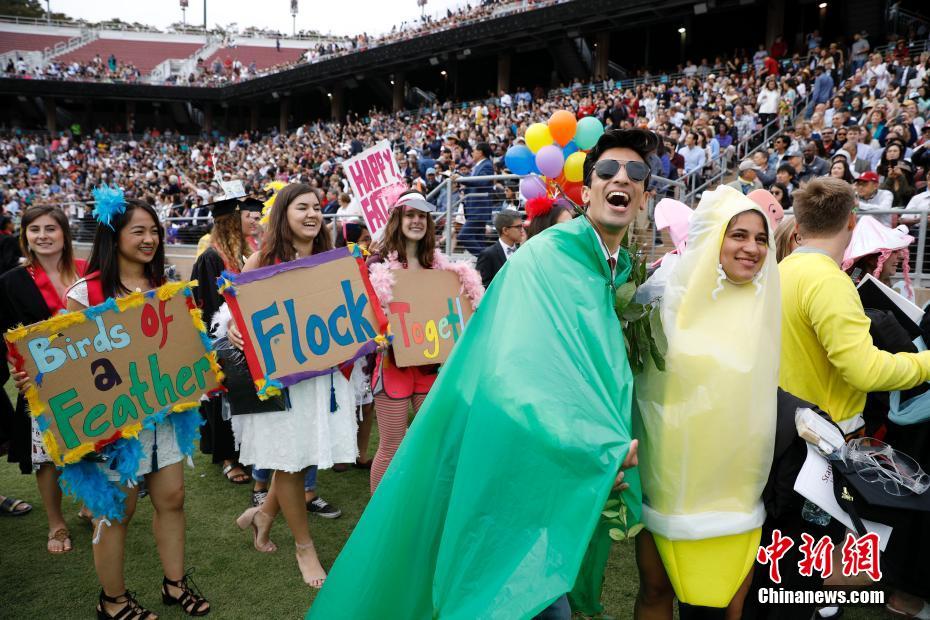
(532, 187)
(549, 160)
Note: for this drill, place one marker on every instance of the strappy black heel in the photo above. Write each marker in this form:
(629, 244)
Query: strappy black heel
(191, 600)
(131, 609)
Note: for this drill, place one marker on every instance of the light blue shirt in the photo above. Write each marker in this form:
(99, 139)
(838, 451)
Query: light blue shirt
(694, 158)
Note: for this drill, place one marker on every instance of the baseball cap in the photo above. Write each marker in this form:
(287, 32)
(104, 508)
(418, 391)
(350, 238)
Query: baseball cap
(793, 152)
(748, 164)
(868, 177)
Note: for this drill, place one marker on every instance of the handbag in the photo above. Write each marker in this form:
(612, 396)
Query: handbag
(240, 389)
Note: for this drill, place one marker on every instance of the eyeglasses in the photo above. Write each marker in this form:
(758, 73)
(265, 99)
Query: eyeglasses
(606, 169)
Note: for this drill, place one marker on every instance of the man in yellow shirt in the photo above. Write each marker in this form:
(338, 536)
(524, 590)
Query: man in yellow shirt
(827, 355)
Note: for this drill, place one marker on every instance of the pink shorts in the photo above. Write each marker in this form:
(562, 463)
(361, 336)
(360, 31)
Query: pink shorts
(400, 383)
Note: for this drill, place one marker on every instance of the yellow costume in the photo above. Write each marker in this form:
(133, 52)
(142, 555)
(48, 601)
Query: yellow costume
(707, 423)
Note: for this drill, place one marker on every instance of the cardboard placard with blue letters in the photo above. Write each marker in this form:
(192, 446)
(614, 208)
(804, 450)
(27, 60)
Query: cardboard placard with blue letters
(305, 318)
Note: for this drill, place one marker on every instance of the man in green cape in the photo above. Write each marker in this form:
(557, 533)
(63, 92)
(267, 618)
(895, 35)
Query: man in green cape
(490, 503)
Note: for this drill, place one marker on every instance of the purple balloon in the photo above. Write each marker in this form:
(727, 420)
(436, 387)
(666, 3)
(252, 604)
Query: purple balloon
(532, 187)
(549, 160)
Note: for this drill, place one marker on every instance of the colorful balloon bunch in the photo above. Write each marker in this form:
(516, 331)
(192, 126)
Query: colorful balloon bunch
(554, 155)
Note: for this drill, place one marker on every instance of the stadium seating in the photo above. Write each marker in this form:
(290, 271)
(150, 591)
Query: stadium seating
(263, 57)
(27, 42)
(145, 55)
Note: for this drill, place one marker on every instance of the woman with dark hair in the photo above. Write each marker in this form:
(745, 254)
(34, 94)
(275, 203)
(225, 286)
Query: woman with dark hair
(781, 194)
(31, 293)
(318, 426)
(839, 169)
(129, 255)
(727, 270)
(542, 213)
(409, 243)
(897, 173)
(227, 252)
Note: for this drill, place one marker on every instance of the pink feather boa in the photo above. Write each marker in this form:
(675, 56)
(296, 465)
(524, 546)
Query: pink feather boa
(382, 279)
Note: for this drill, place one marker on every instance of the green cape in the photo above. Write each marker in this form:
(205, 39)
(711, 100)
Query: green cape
(488, 507)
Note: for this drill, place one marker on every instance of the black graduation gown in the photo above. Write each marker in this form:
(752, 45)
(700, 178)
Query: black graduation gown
(21, 303)
(216, 437)
(783, 506)
(904, 560)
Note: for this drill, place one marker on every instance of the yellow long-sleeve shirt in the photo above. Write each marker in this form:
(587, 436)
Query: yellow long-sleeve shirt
(827, 355)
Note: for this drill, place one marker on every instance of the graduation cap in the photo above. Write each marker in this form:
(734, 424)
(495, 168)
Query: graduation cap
(251, 204)
(224, 206)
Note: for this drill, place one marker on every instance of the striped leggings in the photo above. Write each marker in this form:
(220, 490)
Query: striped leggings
(391, 414)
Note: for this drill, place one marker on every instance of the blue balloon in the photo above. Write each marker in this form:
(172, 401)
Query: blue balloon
(569, 148)
(520, 159)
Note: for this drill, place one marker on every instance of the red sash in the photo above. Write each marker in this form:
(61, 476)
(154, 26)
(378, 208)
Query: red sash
(55, 303)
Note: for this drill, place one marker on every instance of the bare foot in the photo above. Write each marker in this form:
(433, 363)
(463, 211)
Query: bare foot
(310, 568)
(59, 540)
(262, 523)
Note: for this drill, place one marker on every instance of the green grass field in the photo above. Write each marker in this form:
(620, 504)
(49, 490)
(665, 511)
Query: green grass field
(240, 582)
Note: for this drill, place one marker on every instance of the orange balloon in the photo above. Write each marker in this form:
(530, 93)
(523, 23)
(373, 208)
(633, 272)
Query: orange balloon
(562, 126)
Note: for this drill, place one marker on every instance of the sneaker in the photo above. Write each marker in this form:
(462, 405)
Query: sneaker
(319, 507)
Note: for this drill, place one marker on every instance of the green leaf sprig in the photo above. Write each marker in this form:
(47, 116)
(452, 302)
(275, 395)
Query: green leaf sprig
(641, 323)
(615, 514)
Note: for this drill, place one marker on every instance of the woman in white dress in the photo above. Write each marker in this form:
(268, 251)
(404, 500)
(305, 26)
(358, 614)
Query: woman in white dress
(309, 432)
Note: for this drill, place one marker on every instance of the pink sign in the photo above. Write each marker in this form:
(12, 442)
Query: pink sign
(376, 182)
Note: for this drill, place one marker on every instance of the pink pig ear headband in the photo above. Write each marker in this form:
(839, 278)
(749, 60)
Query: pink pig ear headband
(768, 204)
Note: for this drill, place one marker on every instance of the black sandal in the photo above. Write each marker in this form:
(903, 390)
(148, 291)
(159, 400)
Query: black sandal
(131, 609)
(191, 600)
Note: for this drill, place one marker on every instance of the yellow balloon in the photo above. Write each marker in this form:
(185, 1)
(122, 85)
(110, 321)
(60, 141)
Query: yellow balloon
(574, 167)
(538, 136)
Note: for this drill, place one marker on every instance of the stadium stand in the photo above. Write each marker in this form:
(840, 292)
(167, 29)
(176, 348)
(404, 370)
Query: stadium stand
(263, 57)
(144, 54)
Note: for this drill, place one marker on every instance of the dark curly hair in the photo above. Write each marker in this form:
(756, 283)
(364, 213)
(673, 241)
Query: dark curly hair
(642, 141)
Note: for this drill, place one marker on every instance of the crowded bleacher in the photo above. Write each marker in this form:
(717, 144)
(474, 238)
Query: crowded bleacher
(742, 153)
(232, 59)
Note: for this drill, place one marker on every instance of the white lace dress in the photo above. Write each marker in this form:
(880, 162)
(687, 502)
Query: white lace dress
(306, 434)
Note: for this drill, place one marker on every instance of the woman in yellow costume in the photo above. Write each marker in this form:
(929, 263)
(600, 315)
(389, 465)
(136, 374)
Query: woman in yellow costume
(707, 423)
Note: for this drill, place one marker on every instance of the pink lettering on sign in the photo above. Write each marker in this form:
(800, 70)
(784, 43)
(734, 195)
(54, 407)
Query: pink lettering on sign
(376, 183)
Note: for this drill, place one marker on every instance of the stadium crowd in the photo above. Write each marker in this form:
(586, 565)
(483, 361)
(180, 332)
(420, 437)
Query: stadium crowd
(856, 106)
(229, 70)
(772, 119)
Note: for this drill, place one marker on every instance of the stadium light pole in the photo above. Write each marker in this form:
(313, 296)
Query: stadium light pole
(48, 12)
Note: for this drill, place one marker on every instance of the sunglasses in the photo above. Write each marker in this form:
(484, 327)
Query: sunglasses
(606, 169)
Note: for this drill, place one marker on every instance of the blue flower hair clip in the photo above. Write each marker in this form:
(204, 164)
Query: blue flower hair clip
(109, 201)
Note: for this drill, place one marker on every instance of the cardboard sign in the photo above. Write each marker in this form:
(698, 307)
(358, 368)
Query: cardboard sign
(427, 316)
(306, 317)
(376, 182)
(98, 373)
